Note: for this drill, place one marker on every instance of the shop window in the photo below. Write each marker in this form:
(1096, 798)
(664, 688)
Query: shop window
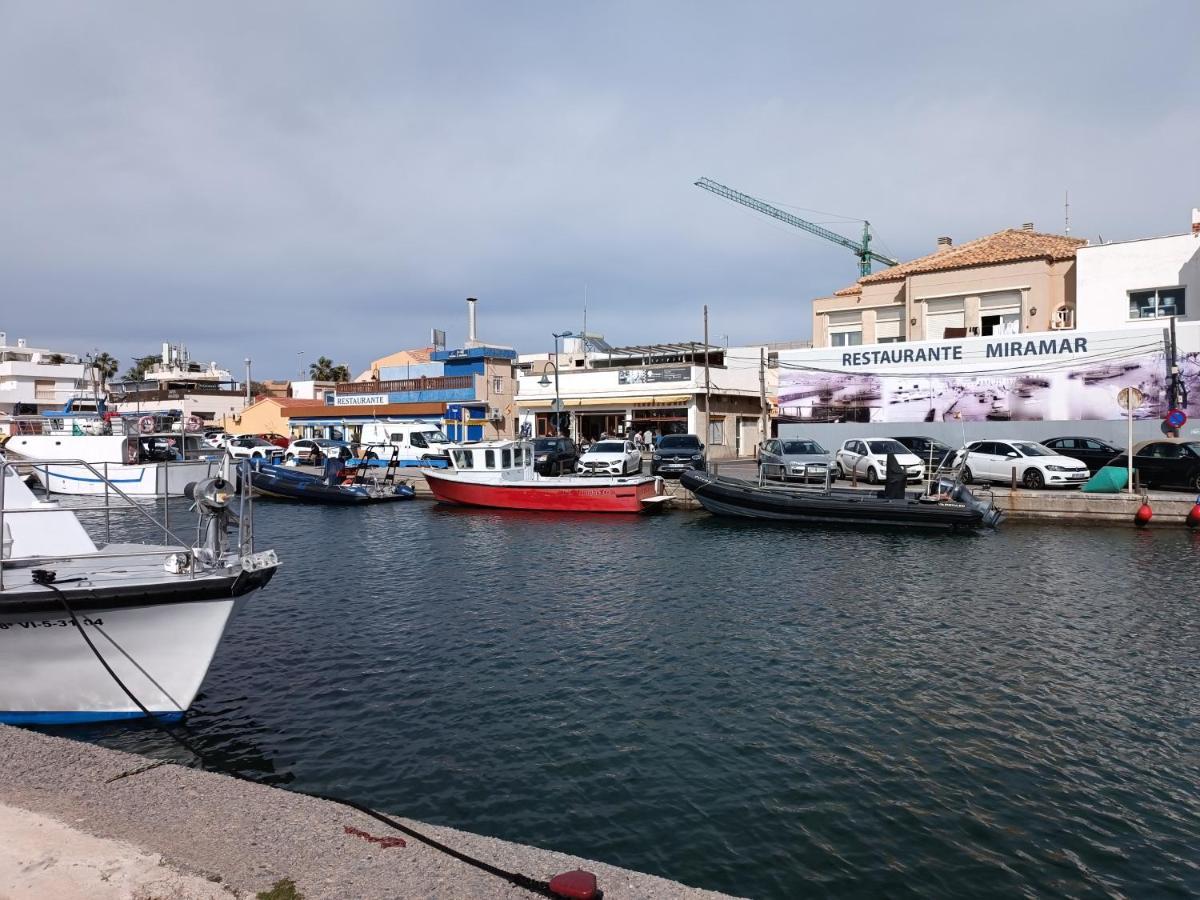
(1157, 304)
(716, 432)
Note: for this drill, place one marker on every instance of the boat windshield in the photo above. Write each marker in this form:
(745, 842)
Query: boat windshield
(803, 448)
(608, 447)
(463, 459)
(883, 447)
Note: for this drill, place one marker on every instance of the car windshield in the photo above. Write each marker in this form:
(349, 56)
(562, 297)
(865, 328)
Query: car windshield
(803, 448)
(325, 442)
(436, 437)
(1030, 449)
(679, 442)
(608, 447)
(882, 447)
(1192, 447)
(545, 444)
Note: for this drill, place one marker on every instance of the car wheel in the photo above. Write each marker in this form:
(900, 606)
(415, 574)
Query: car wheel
(1034, 479)
(256, 455)
(372, 455)
(967, 476)
(839, 472)
(872, 475)
(1196, 481)
(290, 457)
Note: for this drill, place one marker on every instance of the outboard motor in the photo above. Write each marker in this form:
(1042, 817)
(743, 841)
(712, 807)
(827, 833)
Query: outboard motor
(212, 497)
(896, 481)
(960, 493)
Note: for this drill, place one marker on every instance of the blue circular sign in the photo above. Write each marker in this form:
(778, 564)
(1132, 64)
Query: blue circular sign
(1177, 418)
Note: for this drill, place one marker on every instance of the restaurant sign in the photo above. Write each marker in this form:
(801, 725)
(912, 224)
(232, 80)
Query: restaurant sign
(360, 400)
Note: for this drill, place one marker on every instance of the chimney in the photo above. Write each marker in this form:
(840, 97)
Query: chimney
(1028, 226)
(471, 301)
(20, 342)
(944, 242)
(1196, 220)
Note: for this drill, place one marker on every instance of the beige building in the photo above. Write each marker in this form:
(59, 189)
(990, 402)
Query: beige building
(1010, 282)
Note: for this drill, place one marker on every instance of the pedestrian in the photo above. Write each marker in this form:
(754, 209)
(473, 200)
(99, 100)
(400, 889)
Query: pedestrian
(648, 438)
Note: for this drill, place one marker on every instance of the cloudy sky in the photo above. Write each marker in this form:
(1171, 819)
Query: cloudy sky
(266, 179)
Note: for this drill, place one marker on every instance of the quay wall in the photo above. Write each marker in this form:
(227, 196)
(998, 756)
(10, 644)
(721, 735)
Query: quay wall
(247, 837)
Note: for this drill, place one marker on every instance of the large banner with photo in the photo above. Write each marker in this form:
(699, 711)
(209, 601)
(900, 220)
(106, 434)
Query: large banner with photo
(1058, 375)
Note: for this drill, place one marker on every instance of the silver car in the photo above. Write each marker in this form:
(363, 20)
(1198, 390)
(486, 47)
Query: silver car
(798, 460)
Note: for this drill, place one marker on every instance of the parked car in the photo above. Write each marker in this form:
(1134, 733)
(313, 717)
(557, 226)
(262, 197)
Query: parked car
(1164, 463)
(311, 451)
(931, 452)
(610, 458)
(800, 460)
(1094, 453)
(1037, 466)
(279, 440)
(253, 448)
(676, 453)
(867, 458)
(214, 438)
(554, 455)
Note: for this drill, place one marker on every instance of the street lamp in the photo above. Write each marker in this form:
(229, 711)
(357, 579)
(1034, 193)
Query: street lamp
(247, 381)
(558, 423)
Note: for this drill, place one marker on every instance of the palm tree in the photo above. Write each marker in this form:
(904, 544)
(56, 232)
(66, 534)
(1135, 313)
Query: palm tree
(324, 370)
(106, 367)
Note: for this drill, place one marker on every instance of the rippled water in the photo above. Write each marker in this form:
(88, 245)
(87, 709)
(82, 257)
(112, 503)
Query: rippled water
(761, 710)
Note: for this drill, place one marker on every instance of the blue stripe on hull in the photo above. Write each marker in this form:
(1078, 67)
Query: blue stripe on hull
(79, 717)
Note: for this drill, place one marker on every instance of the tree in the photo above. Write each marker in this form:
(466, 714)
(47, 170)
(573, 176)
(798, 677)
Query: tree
(106, 367)
(56, 359)
(141, 364)
(324, 370)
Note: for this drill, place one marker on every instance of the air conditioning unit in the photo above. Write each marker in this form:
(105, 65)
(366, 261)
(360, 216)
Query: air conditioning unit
(1064, 317)
(494, 413)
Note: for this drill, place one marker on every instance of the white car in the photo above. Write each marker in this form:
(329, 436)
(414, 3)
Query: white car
(309, 450)
(1037, 466)
(866, 458)
(610, 458)
(253, 448)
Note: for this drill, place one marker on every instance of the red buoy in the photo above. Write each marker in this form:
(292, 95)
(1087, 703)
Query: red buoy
(1142, 516)
(576, 885)
(1193, 516)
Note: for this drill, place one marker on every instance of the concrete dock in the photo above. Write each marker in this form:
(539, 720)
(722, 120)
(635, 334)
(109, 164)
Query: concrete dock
(81, 821)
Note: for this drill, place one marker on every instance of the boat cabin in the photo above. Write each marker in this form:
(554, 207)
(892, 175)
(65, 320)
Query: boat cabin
(506, 459)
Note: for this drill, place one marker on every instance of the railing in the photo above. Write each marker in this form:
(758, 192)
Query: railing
(403, 385)
(245, 508)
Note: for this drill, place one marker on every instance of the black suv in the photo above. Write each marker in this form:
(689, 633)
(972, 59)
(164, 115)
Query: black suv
(676, 453)
(928, 450)
(554, 456)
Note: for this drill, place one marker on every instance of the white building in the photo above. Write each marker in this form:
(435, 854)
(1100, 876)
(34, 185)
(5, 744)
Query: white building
(659, 388)
(34, 380)
(1032, 384)
(1132, 283)
(178, 383)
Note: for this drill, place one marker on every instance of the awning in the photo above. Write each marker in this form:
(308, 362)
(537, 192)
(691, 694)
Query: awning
(605, 402)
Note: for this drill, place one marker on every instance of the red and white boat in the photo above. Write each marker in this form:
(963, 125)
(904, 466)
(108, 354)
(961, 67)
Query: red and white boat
(500, 474)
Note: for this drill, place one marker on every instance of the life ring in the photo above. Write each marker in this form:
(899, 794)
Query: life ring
(193, 423)
(146, 424)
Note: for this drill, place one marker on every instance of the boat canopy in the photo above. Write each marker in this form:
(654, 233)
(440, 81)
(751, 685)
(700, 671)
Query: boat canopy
(493, 455)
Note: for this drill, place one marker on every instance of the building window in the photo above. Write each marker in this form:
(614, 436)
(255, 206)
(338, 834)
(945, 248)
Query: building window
(845, 338)
(497, 384)
(889, 326)
(716, 432)
(1156, 304)
(942, 314)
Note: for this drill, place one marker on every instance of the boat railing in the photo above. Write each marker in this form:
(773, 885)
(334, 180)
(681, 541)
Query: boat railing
(245, 508)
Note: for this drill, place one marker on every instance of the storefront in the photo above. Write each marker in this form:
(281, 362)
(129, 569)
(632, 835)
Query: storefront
(586, 419)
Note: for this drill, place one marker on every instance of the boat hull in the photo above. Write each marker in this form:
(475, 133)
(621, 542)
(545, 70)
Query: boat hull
(283, 484)
(140, 480)
(743, 499)
(48, 674)
(611, 495)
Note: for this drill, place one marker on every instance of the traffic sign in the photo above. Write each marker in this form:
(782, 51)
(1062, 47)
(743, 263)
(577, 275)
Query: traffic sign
(1130, 398)
(1177, 418)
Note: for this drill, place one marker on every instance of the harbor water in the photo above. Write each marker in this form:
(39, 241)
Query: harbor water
(763, 710)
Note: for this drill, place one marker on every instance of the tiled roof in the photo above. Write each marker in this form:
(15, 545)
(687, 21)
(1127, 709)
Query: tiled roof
(1008, 246)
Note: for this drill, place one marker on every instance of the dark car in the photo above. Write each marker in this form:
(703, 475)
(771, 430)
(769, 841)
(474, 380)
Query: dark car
(1092, 451)
(931, 452)
(554, 456)
(676, 453)
(1165, 464)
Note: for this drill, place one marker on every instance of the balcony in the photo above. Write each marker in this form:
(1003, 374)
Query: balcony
(407, 385)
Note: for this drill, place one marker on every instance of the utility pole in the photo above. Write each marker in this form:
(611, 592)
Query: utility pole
(247, 381)
(707, 384)
(762, 394)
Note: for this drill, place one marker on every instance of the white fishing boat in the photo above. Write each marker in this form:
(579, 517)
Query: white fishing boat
(84, 448)
(94, 632)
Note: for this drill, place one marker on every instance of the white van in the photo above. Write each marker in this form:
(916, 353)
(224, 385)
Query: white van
(417, 442)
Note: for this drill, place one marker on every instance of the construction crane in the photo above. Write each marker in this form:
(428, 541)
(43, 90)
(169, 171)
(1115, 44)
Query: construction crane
(862, 250)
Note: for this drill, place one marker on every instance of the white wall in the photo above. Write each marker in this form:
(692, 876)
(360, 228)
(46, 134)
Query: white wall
(1106, 273)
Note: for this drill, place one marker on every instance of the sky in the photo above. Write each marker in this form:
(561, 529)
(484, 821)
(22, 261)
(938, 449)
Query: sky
(286, 180)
